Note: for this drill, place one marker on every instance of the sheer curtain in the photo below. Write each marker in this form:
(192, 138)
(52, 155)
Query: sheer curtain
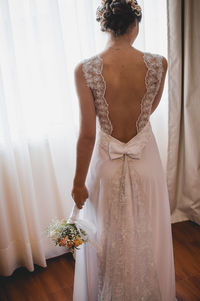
(41, 41)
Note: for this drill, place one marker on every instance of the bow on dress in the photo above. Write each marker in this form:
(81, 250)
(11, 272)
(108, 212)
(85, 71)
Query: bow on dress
(119, 150)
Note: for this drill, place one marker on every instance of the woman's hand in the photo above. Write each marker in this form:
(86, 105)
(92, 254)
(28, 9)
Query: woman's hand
(79, 195)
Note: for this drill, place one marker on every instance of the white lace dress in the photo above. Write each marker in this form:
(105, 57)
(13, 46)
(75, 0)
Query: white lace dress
(128, 204)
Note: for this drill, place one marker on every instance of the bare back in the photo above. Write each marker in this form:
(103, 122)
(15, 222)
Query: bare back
(124, 86)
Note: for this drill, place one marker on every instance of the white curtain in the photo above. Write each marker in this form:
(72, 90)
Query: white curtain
(41, 41)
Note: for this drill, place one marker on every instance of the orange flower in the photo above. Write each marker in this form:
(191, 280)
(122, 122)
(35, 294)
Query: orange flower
(63, 241)
(78, 242)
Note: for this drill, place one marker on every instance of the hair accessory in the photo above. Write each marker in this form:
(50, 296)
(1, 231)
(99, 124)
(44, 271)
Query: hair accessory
(135, 7)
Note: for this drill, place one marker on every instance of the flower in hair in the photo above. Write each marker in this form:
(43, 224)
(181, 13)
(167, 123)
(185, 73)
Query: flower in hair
(135, 7)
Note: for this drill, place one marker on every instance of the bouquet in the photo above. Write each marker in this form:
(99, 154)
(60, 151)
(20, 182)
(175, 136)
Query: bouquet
(67, 232)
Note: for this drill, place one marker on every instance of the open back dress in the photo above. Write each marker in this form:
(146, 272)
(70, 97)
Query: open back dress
(128, 205)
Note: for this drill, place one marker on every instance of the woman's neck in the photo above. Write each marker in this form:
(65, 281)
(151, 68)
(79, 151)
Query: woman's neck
(119, 42)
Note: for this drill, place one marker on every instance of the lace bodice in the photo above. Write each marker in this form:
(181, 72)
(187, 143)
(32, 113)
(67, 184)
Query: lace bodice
(92, 69)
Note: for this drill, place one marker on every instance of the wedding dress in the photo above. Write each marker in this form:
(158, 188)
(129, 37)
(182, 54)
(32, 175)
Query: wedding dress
(128, 204)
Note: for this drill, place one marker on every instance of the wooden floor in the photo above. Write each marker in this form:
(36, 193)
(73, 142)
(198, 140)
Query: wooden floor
(186, 242)
(55, 282)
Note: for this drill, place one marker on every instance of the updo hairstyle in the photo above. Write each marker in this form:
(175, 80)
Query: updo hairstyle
(116, 16)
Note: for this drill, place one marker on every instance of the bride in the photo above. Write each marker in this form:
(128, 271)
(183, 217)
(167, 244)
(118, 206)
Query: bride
(119, 183)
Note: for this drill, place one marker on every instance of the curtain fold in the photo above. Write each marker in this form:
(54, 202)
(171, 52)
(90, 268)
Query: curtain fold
(184, 105)
(40, 44)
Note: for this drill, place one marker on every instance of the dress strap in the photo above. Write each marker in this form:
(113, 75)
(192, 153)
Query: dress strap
(92, 70)
(152, 81)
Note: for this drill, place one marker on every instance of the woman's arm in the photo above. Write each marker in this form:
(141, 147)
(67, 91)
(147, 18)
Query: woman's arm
(86, 139)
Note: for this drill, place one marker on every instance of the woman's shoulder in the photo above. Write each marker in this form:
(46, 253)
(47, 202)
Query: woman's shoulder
(157, 58)
(89, 69)
(87, 64)
(87, 60)
(155, 55)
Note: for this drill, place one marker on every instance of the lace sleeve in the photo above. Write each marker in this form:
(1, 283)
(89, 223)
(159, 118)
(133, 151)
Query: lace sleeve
(92, 70)
(152, 81)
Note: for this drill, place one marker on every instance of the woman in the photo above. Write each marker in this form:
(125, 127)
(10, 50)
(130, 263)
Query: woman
(124, 193)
